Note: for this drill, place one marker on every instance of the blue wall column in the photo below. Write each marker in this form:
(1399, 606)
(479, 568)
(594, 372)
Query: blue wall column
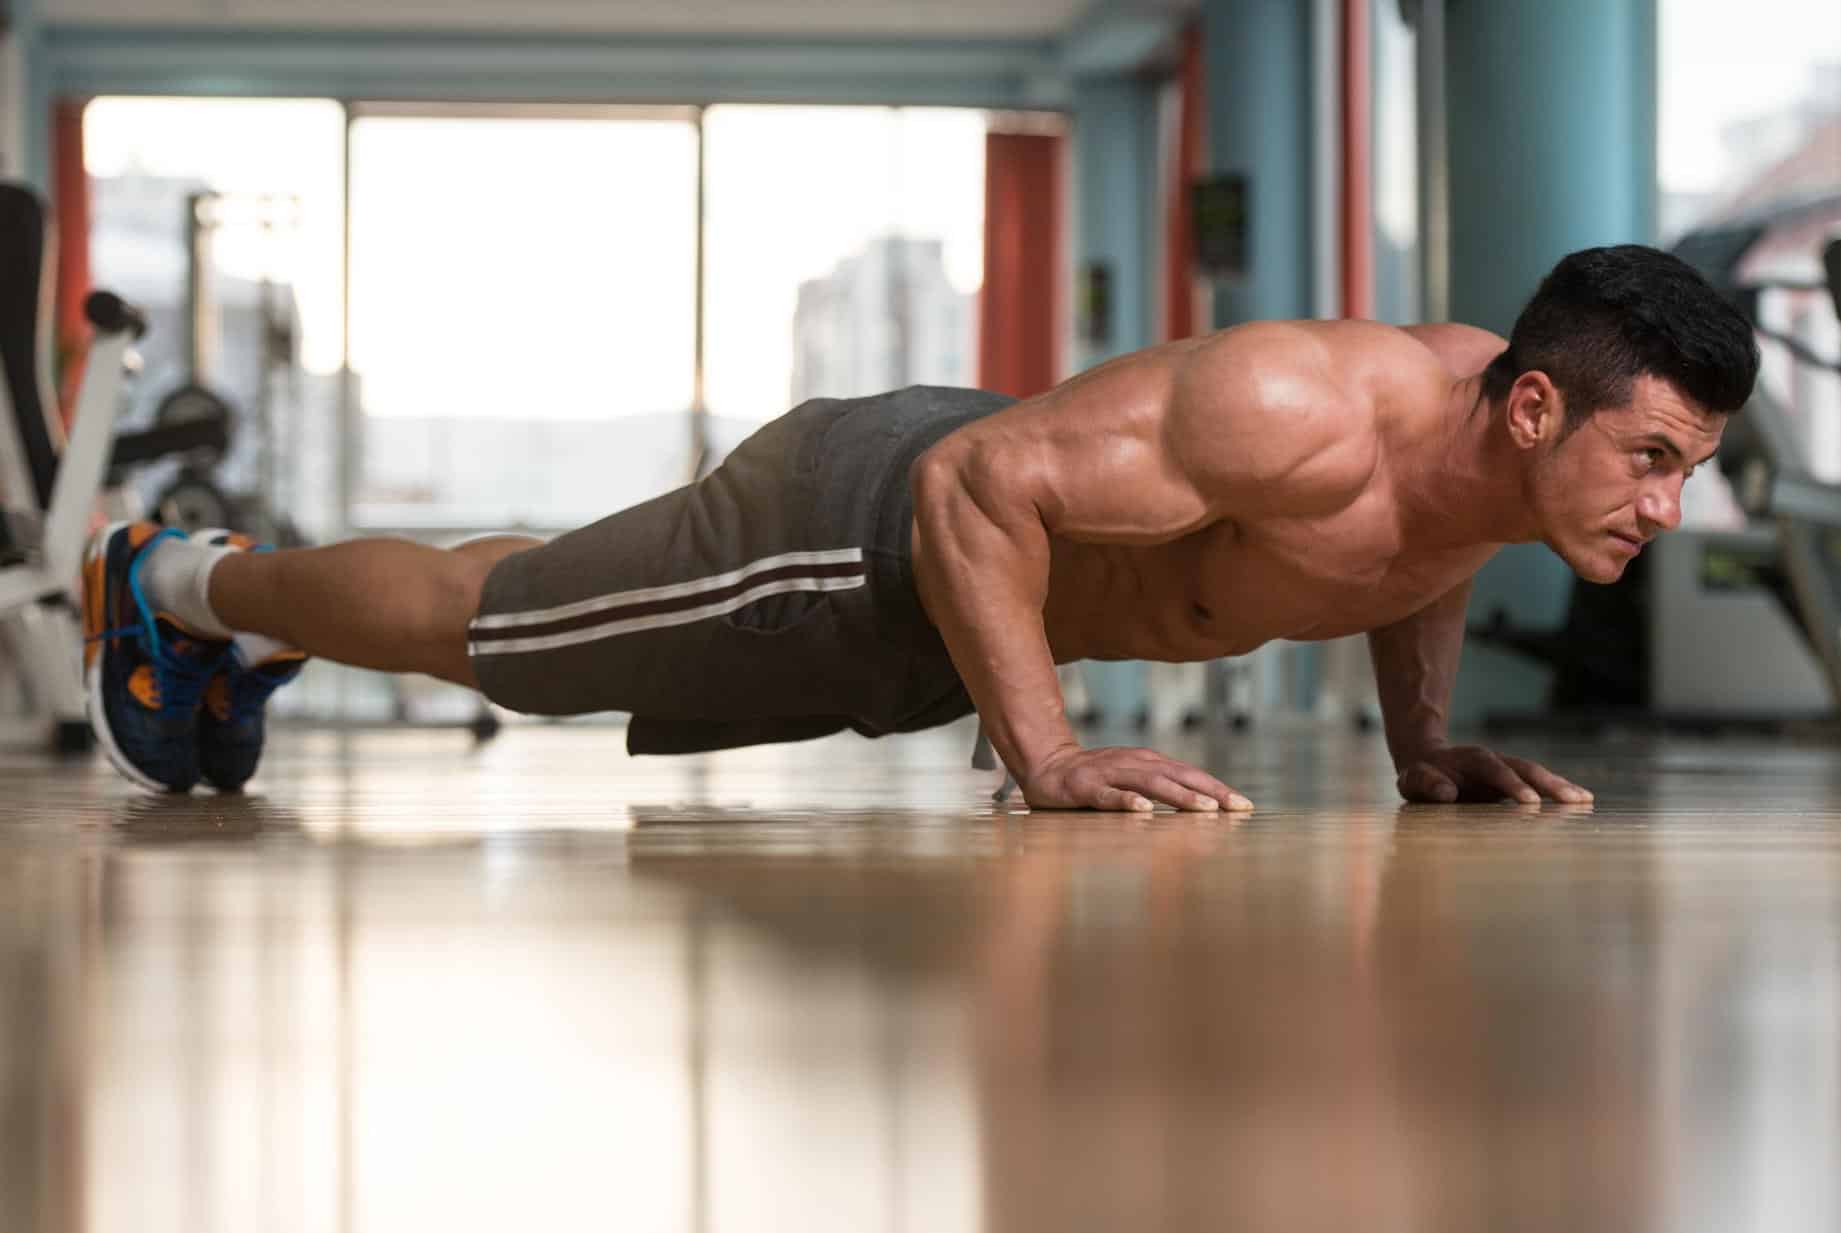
(1257, 66)
(27, 106)
(1256, 61)
(1115, 227)
(1552, 132)
(1115, 184)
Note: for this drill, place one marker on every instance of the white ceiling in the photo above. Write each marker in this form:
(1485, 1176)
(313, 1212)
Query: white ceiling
(805, 19)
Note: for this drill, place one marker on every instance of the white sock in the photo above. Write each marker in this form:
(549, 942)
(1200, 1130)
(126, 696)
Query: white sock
(177, 580)
(176, 577)
(252, 649)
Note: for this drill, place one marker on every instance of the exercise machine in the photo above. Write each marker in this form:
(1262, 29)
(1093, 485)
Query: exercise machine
(1765, 458)
(199, 495)
(50, 481)
(49, 484)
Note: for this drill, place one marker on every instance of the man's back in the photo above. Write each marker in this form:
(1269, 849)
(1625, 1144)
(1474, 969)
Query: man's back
(1284, 471)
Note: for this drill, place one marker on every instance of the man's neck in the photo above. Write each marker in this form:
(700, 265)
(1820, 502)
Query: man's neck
(1469, 485)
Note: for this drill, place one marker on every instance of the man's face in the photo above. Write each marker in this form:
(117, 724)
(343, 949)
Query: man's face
(1615, 483)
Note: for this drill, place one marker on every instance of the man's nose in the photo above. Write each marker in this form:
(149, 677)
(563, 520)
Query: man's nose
(1659, 507)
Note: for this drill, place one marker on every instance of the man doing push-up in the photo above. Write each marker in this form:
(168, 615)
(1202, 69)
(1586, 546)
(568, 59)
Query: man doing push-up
(891, 563)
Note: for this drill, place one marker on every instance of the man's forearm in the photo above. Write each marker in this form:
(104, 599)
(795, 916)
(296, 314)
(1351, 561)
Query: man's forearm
(983, 577)
(1415, 666)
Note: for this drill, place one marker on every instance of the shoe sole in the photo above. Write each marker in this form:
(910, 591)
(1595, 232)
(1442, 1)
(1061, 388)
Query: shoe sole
(95, 604)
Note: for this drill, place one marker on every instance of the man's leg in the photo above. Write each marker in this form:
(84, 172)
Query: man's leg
(172, 702)
(387, 604)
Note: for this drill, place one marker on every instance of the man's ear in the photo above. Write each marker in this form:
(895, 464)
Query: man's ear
(1535, 410)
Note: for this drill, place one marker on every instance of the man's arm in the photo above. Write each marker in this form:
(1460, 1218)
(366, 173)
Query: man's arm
(1415, 666)
(983, 578)
(1144, 450)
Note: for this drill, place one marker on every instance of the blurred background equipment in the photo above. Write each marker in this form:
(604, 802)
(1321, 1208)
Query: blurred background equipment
(193, 498)
(49, 482)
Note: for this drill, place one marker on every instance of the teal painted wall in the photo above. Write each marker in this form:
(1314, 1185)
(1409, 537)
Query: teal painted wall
(32, 161)
(1552, 130)
(1115, 170)
(1256, 58)
(1115, 202)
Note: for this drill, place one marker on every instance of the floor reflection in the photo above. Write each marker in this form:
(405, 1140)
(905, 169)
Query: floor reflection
(396, 992)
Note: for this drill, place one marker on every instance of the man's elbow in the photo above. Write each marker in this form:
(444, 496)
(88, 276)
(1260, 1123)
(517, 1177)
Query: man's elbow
(970, 501)
(953, 481)
(937, 476)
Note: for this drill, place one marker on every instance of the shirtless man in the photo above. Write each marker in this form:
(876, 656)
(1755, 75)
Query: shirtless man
(888, 564)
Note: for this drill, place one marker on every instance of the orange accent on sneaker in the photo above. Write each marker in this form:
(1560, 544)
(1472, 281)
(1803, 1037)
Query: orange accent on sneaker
(97, 620)
(217, 696)
(145, 687)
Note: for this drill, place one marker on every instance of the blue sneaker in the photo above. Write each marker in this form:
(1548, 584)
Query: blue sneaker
(231, 727)
(144, 673)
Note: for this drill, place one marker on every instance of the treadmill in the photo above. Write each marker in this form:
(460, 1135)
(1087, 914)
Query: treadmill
(1759, 454)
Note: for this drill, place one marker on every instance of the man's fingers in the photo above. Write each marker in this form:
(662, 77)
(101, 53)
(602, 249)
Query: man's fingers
(1475, 773)
(1549, 784)
(1204, 784)
(1503, 778)
(1173, 783)
(1131, 780)
(1512, 786)
(1153, 786)
(1121, 800)
(1423, 783)
(1178, 795)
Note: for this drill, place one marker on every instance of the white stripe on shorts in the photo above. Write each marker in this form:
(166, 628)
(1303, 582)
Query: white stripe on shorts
(661, 620)
(644, 595)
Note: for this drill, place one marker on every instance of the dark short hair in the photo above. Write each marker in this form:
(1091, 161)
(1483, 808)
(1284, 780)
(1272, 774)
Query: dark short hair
(1605, 316)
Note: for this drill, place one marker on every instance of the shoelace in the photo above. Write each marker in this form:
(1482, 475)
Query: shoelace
(182, 685)
(179, 683)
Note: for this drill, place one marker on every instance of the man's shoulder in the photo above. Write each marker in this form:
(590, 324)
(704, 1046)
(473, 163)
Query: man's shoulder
(1367, 359)
(1408, 372)
(1265, 414)
(1464, 350)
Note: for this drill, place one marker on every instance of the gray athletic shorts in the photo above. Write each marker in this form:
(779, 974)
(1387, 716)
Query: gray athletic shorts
(772, 600)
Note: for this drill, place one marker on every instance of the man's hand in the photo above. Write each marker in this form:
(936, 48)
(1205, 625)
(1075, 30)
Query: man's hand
(1123, 779)
(1472, 773)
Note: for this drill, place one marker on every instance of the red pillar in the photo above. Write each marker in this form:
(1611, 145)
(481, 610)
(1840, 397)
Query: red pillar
(1019, 307)
(1184, 168)
(71, 215)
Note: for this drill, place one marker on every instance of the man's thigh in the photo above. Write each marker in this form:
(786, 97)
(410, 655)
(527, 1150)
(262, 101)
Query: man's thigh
(702, 603)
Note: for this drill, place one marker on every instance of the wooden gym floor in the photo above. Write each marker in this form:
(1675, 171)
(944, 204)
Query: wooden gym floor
(542, 986)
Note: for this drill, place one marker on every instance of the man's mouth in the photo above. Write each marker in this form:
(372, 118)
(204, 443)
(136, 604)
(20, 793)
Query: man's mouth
(1635, 542)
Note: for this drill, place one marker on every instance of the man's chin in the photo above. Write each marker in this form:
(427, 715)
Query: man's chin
(1593, 567)
(1600, 570)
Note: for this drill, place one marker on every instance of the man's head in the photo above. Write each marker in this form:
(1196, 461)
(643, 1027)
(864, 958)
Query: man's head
(1617, 382)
